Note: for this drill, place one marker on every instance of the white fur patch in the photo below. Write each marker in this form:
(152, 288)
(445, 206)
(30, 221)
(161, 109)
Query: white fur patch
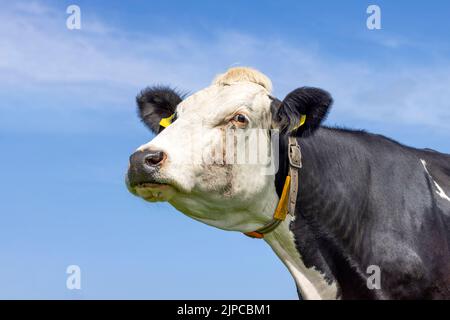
(311, 282)
(231, 196)
(440, 192)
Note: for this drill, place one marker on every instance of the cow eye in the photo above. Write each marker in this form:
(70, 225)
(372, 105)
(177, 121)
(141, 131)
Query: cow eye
(240, 118)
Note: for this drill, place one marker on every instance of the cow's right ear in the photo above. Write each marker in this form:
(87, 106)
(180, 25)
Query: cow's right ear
(155, 104)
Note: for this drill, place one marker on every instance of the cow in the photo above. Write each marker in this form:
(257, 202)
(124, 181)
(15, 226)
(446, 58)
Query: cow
(363, 217)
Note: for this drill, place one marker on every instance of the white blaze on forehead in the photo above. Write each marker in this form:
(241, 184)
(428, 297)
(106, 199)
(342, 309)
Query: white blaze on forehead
(440, 192)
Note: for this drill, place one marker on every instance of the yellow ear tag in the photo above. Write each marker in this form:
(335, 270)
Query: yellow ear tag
(165, 122)
(302, 122)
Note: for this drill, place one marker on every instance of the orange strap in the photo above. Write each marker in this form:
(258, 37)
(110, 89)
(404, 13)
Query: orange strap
(280, 213)
(282, 207)
(254, 234)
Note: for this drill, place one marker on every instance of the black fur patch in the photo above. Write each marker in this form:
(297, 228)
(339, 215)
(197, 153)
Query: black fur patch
(155, 103)
(353, 212)
(312, 102)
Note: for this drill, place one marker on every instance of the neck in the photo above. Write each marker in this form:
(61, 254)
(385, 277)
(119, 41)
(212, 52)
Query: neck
(311, 284)
(321, 245)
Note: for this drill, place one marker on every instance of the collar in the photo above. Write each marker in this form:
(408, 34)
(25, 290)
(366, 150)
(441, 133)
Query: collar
(288, 198)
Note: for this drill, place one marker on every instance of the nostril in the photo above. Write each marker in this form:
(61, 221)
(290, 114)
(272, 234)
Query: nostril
(154, 158)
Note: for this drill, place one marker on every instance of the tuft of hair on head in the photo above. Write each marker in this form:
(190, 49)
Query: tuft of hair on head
(241, 74)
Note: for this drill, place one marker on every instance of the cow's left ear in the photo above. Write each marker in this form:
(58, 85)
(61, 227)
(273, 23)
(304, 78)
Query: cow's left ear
(302, 111)
(155, 104)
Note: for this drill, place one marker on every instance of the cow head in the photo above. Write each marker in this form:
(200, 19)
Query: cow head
(202, 159)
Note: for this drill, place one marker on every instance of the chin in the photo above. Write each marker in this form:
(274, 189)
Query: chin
(154, 192)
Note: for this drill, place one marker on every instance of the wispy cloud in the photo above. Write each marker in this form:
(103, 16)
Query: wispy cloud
(101, 66)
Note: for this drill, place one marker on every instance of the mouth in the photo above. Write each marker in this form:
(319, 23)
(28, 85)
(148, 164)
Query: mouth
(154, 192)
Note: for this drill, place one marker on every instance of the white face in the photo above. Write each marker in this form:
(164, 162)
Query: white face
(202, 175)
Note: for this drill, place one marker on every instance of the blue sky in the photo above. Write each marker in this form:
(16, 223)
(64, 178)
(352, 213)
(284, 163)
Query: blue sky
(68, 124)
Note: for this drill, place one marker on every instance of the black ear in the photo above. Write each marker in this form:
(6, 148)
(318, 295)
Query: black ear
(308, 104)
(156, 103)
